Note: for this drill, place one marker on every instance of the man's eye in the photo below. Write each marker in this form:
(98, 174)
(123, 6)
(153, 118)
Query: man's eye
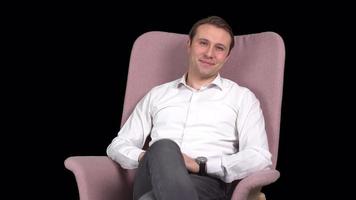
(203, 43)
(220, 48)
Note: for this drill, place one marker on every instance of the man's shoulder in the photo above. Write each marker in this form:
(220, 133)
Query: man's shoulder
(164, 86)
(227, 83)
(239, 90)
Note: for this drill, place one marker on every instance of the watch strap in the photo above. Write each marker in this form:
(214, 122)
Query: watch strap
(202, 168)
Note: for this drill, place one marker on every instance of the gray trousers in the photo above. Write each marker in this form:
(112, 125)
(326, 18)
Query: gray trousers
(162, 175)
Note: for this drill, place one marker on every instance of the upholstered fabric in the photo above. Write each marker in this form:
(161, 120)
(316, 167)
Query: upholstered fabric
(256, 62)
(100, 178)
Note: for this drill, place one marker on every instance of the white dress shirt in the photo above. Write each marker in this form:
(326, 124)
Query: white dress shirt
(222, 121)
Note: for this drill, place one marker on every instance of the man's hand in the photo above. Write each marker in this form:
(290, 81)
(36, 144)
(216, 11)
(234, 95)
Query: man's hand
(140, 156)
(190, 164)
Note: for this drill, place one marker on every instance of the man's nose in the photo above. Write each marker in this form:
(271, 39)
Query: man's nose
(209, 52)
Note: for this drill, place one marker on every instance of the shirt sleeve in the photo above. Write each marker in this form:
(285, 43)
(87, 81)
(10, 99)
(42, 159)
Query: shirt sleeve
(253, 153)
(126, 147)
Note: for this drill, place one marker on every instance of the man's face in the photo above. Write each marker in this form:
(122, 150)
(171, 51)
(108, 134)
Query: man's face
(208, 51)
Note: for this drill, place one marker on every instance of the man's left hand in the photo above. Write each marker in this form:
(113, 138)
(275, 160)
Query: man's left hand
(190, 164)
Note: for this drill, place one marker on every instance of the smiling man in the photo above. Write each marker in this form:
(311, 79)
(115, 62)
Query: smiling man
(206, 131)
(208, 49)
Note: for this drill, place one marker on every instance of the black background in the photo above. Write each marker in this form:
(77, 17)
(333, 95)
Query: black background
(70, 64)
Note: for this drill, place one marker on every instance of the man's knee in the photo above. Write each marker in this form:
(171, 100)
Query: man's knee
(164, 145)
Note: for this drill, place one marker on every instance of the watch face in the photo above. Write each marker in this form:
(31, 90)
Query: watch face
(201, 159)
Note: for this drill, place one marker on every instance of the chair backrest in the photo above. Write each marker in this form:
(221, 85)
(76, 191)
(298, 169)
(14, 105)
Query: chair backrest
(256, 62)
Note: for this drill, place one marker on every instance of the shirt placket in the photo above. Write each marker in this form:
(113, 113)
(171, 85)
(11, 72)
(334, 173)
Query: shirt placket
(189, 117)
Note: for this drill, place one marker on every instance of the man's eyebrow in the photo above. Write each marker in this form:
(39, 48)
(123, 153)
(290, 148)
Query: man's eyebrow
(217, 44)
(203, 39)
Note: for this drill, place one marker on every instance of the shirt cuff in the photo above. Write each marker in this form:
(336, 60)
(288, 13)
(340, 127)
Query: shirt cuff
(214, 168)
(134, 154)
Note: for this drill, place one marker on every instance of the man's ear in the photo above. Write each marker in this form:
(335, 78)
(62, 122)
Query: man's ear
(188, 45)
(227, 57)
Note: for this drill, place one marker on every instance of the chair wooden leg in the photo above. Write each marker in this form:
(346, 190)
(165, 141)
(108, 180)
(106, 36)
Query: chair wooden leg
(261, 196)
(256, 195)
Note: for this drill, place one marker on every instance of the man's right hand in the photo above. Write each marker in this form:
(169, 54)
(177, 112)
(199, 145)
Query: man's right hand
(141, 156)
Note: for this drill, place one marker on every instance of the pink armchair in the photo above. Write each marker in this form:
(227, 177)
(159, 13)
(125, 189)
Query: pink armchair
(257, 62)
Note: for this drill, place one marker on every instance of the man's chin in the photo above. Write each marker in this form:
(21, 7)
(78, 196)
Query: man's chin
(207, 75)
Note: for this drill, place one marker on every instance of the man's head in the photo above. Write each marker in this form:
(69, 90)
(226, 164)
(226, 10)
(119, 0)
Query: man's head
(216, 21)
(209, 45)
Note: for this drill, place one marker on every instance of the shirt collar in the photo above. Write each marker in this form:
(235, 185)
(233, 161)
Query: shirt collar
(216, 82)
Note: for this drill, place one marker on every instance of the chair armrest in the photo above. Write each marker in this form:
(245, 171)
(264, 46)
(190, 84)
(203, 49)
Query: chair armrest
(100, 178)
(253, 184)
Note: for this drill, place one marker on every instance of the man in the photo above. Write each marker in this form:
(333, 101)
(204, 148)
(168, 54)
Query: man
(206, 131)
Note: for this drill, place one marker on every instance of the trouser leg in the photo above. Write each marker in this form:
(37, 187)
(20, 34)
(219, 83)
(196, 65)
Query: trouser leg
(163, 171)
(209, 188)
(142, 182)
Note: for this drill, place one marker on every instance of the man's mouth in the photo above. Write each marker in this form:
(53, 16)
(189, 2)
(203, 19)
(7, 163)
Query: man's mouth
(206, 62)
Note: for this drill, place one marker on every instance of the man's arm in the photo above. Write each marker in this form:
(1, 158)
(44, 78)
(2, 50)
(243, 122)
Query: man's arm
(127, 146)
(253, 153)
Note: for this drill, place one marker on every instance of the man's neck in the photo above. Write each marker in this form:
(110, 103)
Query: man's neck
(198, 82)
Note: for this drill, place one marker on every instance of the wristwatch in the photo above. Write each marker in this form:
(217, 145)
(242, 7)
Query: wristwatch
(202, 165)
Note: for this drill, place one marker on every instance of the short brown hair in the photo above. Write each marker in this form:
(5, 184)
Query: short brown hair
(216, 21)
